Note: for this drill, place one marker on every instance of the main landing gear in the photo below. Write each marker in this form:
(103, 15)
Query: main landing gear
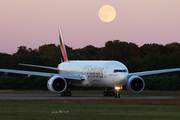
(117, 91)
(108, 92)
(66, 93)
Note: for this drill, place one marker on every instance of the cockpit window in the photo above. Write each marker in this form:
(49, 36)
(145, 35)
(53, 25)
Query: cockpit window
(118, 70)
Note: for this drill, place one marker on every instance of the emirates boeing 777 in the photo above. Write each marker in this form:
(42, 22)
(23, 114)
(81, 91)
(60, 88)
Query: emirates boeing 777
(108, 74)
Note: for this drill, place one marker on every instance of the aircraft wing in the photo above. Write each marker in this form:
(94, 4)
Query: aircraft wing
(52, 68)
(68, 78)
(154, 72)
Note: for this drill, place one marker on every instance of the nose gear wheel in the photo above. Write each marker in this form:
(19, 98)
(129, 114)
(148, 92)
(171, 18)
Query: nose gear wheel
(117, 91)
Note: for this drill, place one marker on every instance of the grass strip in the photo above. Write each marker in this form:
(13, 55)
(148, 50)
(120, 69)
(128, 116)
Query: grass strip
(42, 110)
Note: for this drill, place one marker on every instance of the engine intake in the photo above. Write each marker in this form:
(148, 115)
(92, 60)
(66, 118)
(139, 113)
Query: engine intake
(57, 84)
(135, 84)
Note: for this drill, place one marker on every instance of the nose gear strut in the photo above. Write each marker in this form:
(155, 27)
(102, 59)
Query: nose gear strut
(117, 91)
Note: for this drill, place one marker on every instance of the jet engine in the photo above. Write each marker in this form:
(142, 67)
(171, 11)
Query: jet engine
(135, 84)
(57, 84)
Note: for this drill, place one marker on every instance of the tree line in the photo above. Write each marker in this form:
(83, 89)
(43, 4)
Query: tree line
(143, 58)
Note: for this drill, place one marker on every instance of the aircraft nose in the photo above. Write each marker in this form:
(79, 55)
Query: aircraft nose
(123, 75)
(121, 79)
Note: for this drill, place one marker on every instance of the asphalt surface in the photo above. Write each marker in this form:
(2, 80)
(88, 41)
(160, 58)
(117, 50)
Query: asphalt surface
(73, 97)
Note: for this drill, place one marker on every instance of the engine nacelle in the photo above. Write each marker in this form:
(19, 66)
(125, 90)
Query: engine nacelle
(57, 84)
(135, 84)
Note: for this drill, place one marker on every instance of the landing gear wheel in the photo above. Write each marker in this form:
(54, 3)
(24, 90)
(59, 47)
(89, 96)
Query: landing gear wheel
(111, 93)
(115, 95)
(66, 93)
(119, 95)
(117, 91)
(105, 93)
(63, 94)
(108, 92)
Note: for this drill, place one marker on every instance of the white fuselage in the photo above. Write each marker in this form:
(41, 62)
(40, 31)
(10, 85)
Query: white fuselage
(96, 73)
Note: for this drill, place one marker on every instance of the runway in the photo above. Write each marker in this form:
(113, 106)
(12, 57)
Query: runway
(73, 97)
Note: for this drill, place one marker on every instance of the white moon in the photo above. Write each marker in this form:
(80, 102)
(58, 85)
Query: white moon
(107, 13)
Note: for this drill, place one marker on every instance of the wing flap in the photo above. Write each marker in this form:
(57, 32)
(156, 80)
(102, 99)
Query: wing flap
(154, 72)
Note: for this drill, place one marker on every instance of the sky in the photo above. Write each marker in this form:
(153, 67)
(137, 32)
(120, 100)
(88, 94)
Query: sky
(33, 23)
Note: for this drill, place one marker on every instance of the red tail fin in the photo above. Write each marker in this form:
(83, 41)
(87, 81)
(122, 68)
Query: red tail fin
(64, 57)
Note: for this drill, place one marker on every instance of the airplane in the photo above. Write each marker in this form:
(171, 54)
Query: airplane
(108, 74)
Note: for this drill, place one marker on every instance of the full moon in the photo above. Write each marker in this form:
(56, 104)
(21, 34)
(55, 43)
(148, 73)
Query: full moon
(107, 13)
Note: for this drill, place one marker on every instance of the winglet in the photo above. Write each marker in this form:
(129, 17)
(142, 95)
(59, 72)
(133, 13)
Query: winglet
(64, 57)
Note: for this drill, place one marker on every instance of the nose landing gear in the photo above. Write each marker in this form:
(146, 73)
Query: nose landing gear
(117, 91)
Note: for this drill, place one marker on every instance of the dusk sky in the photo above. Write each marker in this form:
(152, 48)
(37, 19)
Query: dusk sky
(33, 23)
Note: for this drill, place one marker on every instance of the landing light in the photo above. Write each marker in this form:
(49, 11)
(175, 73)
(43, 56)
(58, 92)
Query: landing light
(118, 87)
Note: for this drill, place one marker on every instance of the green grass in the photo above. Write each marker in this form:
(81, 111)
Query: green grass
(41, 110)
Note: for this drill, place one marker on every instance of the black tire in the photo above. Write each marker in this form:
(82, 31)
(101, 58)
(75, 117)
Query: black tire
(68, 93)
(63, 94)
(111, 93)
(119, 95)
(115, 95)
(105, 93)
